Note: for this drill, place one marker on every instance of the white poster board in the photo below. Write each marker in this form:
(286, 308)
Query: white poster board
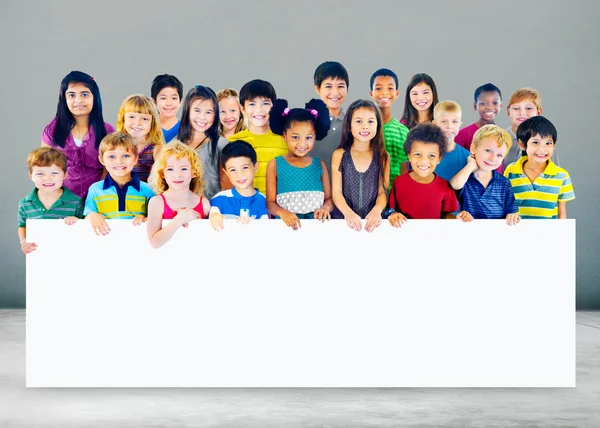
(433, 304)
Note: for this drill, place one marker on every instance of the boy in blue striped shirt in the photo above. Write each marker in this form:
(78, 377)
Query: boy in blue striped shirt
(485, 193)
(49, 200)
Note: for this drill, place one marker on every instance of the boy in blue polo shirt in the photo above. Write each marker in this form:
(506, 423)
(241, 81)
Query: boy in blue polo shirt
(49, 200)
(487, 194)
(121, 194)
(244, 201)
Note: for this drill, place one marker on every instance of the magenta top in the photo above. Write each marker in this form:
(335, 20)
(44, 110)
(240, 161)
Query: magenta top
(84, 168)
(464, 137)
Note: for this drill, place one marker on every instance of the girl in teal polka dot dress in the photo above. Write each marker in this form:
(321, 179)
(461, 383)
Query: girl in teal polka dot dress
(298, 185)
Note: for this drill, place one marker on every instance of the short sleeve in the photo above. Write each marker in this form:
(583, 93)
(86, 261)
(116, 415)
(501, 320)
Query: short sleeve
(109, 128)
(48, 133)
(566, 190)
(510, 203)
(21, 217)
(450, 204)
(90, 203)
(79, 209)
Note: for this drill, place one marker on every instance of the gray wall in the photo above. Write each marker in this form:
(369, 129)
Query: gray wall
(551, 45)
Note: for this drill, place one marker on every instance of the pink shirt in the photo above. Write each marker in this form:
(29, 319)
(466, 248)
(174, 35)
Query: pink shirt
(464, 137)
(84, 168)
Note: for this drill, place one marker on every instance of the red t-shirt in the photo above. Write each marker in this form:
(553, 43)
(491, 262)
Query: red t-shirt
(422, 201)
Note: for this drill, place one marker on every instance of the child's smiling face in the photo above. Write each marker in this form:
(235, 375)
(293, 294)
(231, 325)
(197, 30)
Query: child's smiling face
(178, 172)
(488, 105)
(488, 155)
(333, 91)
(384, 91)
(202, 115)
(449, 123)
(137, 124)
(230, 113)
(241, 171)
(521, 111)
(421, 96)
(300, 138)
(539, 149)
(424, 158)
(257, 111)
(80, 100)
(168, 102)
(47, 179)
(119, 161)
(364, 124)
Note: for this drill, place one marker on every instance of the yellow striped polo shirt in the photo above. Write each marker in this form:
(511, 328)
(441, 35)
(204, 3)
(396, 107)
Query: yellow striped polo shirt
(540, 199)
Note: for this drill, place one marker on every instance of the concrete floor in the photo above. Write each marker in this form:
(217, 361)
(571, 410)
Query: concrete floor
(81, 408)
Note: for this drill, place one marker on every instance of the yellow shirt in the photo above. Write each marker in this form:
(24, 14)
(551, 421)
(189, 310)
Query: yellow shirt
(267, 146)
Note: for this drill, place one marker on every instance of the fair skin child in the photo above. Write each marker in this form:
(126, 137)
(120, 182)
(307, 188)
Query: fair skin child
(450, 124)
(424, 158)
(138, 126)
(521, 111)
(202, 116)
(487, 106)
(48, 181)
(240, 171)
(539, 151)
(257, 111)
(333, 91)
(421, 98)
(486, 156)
(300, 139)
(230, 113)
(167, 102)
(178, 175)
(119, 162)
(80, 102)
(363, 128)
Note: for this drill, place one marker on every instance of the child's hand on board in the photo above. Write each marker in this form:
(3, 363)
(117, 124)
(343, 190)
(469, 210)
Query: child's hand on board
(99, 224)
(322, 214)
(244, 219)
(139, 219)
(70, 220)
(373, 221)
(27, 247)
(465, 216)
(216, 221)
(290, 219)
(397, 219)
(513, 219)
(185, 215)
(354, 221)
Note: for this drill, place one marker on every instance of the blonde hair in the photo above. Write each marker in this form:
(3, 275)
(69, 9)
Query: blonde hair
(46, 156)
(117, 139)
(525, 94)
(226, 93)
(492, 131)
(139, 103)
(446, 106)
(179, 150)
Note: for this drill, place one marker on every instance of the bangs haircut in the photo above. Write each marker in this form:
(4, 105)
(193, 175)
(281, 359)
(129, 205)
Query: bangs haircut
(139, 103)
(46, 156)
(117, 139)
(179, 150)
(227, 93)
(165, 81)
(536, 125)
(257, 88)
(525, 94)
(238, 149)
(330, 70)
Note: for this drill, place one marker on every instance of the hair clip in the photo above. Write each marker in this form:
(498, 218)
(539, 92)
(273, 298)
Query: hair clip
(286, 111)
(314, 113)
(196, 85)
(92, 77)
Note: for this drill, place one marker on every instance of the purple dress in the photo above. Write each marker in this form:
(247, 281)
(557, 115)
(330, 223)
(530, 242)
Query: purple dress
(84, 168)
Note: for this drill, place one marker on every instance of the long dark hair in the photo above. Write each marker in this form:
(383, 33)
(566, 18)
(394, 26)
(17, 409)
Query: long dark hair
(377, 142)
(315, 111)
(410, 115)
(186, 132)
(64, 118)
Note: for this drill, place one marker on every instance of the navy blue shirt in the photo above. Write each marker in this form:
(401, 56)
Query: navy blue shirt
(495, 201)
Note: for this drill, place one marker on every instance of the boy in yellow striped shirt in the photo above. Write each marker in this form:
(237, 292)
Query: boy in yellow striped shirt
(542, 189)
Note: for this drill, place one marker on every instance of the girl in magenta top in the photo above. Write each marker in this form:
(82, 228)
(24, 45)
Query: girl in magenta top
(177, 180)
(77, 131)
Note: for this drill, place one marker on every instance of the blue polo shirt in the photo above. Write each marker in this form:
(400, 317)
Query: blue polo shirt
(169, 134)
(107, 198)
(495, 201)
(232, 205)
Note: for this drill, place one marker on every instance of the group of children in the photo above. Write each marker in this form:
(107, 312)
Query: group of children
(248, 155)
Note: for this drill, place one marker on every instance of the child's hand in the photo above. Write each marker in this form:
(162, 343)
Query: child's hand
(354, 221)
(139, 219)
(185, 215)
(99, 224)
(472, 163)
(322, 214)
(216, 221)
(513, 219)
(397, 219)
(70, 220)
(290, 219)
(373, 221)
(244, 219)
(465, 216)
(28, 247)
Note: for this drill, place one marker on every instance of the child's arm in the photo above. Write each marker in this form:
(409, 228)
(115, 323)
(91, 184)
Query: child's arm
(562, 209)
(353, 219)
(458, 181)
(216, 220)
(158, 235)
(324, 213)
(97, 220)
(289, 218)
(26, 247)
(374, 216)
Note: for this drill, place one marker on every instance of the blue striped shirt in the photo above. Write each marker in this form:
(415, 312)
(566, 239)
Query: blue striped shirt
(233, 205)
(495, 201)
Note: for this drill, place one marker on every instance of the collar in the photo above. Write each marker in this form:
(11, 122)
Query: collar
(238, 195)
(340, 117)
(67, 195)
(551, 168)
(134, 182)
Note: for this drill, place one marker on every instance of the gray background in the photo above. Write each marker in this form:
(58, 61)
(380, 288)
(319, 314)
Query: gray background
(551, 46)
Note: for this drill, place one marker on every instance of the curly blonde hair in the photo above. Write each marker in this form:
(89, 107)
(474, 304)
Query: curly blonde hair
(178, 149)
(226, 93)
(139, 103)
